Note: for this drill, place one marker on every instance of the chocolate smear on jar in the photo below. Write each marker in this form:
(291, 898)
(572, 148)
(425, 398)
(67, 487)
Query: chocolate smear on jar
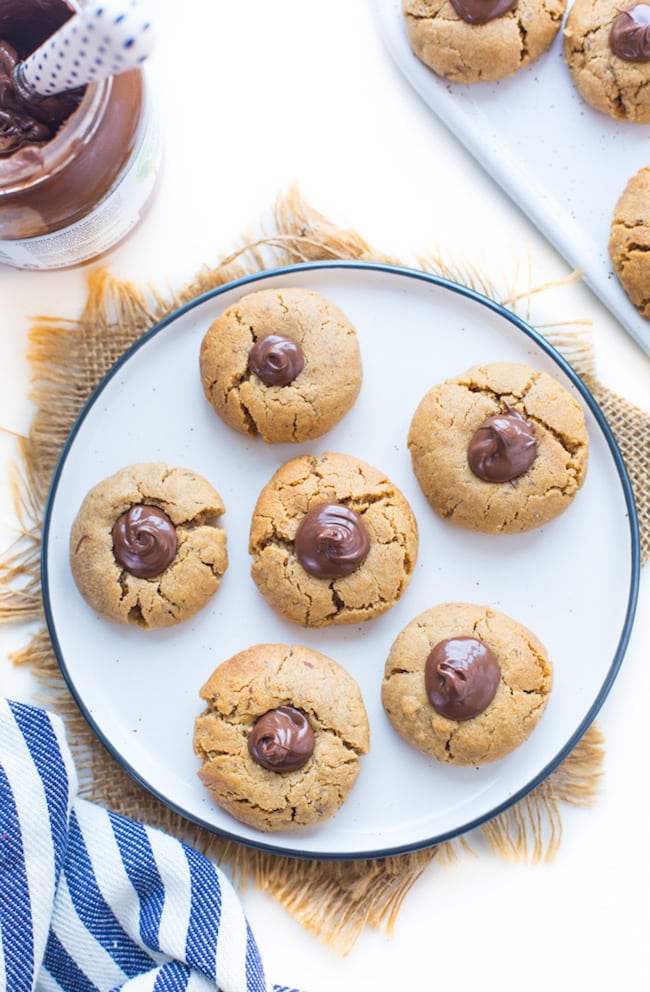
(331, 541)
(144, 541)
(629, 36)
(461, 676)
(503, 447)
(281, 740)
(276, 360)
(481, 11)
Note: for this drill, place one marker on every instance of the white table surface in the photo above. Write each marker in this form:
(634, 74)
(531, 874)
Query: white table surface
(256, 96)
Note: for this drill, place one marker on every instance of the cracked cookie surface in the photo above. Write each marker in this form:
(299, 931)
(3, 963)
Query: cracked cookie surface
(254, 682)
(521, 695)
(629, 241)
(450, 413)
(473, 53)
(372, 588)
(193, 576)
(312, 403)
(608, 83)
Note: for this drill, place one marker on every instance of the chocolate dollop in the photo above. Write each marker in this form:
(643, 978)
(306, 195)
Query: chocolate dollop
(481, 11)
(503, 447)
(281, 740)
(331, 541)
(276, 360)
(461, 676)
(629, 36)
(144, 541)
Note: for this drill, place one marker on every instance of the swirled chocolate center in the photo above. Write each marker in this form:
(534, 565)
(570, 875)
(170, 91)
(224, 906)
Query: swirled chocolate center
(481, 11)
(629, 36)
(282, 740)
(276, 360)
(144, 541)
(461, 677)
(331, 541)
(503, 447)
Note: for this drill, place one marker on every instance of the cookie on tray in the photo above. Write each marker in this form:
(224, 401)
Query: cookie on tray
(474, 41)
(502, 448)
(283, 751)
(465, 683)
(281, 364)
(629, 240)
(146, 547)
(334, 541)
(607, 50)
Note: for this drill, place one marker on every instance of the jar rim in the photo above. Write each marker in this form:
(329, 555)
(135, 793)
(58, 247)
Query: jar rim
(30, 165)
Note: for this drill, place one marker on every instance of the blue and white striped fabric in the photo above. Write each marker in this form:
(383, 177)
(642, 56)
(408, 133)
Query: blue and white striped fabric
(94, 902)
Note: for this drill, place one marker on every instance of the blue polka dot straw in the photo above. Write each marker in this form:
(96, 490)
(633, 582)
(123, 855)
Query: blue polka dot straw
(106, 38)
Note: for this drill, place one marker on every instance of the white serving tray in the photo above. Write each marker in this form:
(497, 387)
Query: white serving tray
(564, 163)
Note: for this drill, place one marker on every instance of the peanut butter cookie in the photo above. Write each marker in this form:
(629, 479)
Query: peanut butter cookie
(146, 547)
(283, 364)
(333, 540)
(473, 41)
(501, 448)
(465, 683)
(607, 50)
(629, 240)
(281, 736)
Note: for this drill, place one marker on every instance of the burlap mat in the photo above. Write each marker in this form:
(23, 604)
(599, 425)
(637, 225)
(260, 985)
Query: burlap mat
(68, 357)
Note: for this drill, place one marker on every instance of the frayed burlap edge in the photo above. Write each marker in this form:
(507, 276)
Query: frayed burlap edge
(334, 900)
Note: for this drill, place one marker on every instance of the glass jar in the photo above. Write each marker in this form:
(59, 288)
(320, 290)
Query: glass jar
(76, 196)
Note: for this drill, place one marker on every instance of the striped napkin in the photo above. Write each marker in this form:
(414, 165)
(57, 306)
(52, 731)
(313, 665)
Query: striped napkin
(90, 900)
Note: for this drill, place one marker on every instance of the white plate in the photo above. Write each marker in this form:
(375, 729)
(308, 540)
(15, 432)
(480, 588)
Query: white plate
(573, 582)
(564, 163)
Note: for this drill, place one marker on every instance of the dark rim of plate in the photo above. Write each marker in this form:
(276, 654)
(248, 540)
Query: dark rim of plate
(464, 291)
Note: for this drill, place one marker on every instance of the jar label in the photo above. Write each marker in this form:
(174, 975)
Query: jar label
(108, 223)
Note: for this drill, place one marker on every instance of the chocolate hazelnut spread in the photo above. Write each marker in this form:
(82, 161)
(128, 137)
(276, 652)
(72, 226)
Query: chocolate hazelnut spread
(629, 36)
(481, 11)
(71, 196)
(282, 740)
(461, 677)
(331, 541)
(24, 26)
(276, 360)
(503, 447)
(144, 541)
